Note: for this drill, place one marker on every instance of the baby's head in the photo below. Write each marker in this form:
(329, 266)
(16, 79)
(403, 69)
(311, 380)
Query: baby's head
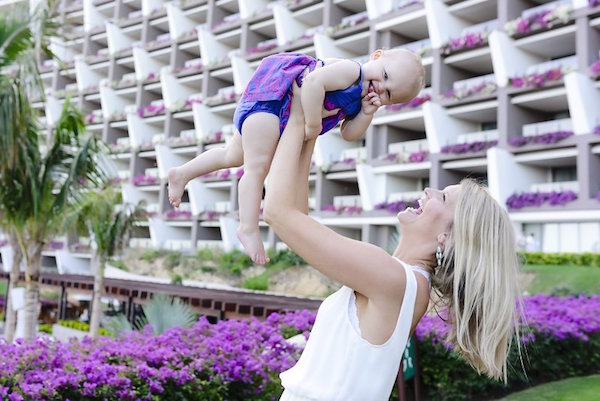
(397, 75)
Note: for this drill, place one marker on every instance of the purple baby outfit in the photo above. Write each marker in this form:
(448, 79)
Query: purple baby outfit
(270, 90)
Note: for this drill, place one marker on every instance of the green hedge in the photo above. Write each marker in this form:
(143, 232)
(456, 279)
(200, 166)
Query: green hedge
(446, 377)
(82, 326)
(579, 259)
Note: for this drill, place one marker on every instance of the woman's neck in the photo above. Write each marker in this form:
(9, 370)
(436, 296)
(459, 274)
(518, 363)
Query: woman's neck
(415, 255)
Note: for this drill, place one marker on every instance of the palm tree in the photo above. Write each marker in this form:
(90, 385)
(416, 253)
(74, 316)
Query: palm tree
(101, 215)
(37, 188)
(162, 312)
(15, 272)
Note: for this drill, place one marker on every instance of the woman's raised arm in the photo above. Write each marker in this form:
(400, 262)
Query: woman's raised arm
(361, 266)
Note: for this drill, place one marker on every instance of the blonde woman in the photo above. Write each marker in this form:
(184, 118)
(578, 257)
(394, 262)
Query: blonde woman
(459, 240)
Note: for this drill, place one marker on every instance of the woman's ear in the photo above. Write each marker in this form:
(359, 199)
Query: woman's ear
(441, 238)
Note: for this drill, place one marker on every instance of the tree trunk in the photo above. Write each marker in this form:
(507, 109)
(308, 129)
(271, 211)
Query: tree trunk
(32, 289)
(98, 263)
(11, 316)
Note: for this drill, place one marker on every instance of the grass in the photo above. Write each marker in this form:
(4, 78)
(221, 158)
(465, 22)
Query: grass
(554, 278)
(574, 389)
(2, 287)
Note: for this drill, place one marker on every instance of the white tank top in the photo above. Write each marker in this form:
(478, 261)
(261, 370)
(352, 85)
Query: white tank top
(337, 364)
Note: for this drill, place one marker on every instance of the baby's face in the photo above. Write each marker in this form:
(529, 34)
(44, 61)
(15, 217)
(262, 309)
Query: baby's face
(395, 76)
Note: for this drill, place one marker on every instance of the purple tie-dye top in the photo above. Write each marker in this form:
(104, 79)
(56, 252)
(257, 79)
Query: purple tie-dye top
(273, 81)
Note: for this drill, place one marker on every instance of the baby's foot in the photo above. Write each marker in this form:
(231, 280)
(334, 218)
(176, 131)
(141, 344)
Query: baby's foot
(176, 186)
(253, 245)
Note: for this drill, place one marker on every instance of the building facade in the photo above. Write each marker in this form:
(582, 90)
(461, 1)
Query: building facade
(511, 99)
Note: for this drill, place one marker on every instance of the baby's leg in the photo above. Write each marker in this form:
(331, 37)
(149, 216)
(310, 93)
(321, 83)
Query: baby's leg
(260, 134)
(214, 159)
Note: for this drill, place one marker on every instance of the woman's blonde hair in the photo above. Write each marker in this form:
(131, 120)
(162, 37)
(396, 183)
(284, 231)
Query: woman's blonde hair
(478, 280)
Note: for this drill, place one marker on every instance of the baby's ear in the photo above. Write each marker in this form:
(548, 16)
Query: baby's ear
(376, 54)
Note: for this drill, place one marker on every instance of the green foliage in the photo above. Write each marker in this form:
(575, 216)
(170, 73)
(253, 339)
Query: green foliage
(176, 279)
(115, 325)
(208, 269)
(577, 259)
(173, 259)
(81, 326)
(234, 262)
(288, 331)
(164, 312)
(119, 264)
(447, 377)
(259, 283)
(45, 328)
(205, 254)
(285, 257)
(151, 255)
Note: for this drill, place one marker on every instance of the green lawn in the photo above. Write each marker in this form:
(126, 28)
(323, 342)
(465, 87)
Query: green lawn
(576, 278)
(575, 389)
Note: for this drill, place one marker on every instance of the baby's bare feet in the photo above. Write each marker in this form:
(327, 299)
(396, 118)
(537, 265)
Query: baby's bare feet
(253, 245)
(176, 186)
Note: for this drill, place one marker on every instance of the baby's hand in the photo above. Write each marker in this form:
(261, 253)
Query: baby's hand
(370, 103)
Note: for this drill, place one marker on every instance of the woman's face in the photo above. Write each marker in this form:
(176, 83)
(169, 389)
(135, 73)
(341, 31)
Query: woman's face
(435, 212)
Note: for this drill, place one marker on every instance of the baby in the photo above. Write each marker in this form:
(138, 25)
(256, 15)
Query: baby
(339, 89)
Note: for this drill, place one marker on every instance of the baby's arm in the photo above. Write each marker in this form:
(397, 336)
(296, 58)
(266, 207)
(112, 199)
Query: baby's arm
(352, 130)
(334, 76)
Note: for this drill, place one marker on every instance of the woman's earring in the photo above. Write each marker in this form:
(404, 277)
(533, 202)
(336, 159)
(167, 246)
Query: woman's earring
(438, 255)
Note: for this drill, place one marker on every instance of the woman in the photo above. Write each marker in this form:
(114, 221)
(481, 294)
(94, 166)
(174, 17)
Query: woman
(460, 237)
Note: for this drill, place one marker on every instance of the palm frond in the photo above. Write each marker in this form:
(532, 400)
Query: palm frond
(101, 215)
(117, 324)
(164, 312)
(15, 38)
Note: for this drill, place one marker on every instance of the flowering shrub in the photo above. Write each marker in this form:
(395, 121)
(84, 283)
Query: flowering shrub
(407, 3)
(342, 209)
(555, 335)
(469, 41)
(547, 138)
(545, 19)
(237, 360)
(95, 117)
(177, 141)
(595, 69)
(119, 147)
(397, 206)
(220, 174)
(413, 157)
(486, 87)
(187, 104)
(177, 214)
(151, 110)
(597, 130)
(414, 103)
(228, 360)
(348, 22)
(262, 48)
(537, 199)
(197, 66)
(144, 179)
(473, 147)
(538, 80)
(188, 35)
